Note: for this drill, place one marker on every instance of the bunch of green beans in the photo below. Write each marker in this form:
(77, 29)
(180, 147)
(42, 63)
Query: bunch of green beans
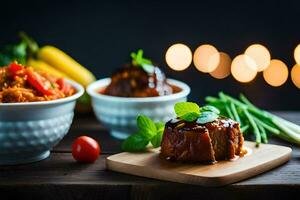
(254, 120)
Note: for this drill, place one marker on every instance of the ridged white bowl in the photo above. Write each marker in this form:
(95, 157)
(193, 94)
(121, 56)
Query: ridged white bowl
(119, 113)
(29, 130)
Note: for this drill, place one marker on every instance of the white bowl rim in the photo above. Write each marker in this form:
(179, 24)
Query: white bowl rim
(91, 90)
(79, 88)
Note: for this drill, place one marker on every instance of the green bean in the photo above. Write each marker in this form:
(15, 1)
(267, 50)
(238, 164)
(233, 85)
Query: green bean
(263, 134)
(266, 126)
(235, 114)
(254, 126)
(244, 128)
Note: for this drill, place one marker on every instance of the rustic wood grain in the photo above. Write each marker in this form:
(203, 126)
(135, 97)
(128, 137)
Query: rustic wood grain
(60, 177)
(258, 161)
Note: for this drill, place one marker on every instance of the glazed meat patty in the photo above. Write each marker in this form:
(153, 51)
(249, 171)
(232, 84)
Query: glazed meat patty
(193, 142)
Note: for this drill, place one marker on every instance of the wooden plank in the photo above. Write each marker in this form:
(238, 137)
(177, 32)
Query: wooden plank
(60, 177)
(257, 161)
(108, 143)
(61, 169)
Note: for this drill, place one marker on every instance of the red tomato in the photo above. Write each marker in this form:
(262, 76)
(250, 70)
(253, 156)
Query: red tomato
(39, 83)
(14, 68)
(63, 86)
(85, 149)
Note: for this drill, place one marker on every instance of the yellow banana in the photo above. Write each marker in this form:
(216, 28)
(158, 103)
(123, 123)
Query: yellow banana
(64, 63)
(42, 66)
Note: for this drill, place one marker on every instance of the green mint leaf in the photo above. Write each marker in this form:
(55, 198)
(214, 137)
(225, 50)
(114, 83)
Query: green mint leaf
(139, 55)
(135, 142)
(146, 126)
(148, 68)
(139, 61)
(206, 117)
(187, 111)
(210, 108)
(160, 126)
(156, 140)
(190, 117)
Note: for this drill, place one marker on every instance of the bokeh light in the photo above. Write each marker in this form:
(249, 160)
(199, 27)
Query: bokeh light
(295, 75)
(260, 54)
(223, 69)
(179, 57)
(206, 58)
(243, 68)
(297, 54)
(276, 73)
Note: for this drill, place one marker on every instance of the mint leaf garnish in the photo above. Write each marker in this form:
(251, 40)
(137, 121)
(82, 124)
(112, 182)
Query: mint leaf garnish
(206, 117)
(210, 108)
(146, 126)
(156, 140)
(135, 142)
(139, 61)
(160, 126)
(148, 132)
(187, 111)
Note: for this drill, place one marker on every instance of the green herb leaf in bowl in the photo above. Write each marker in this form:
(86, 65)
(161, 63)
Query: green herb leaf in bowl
(139, 61)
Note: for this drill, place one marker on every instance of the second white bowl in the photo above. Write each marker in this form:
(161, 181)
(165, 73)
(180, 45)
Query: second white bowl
(119, 113)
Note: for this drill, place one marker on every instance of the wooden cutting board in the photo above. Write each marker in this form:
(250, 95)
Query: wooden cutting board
(150, 164)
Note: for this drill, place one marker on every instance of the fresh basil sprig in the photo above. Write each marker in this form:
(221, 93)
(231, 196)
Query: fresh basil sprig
(148, 132)
(139, 61)
(189, 111)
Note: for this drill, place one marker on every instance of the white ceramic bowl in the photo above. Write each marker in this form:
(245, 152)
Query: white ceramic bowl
(119, 113)
(29, 130)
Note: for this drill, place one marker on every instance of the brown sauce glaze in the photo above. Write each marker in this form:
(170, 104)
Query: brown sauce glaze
(193, 142)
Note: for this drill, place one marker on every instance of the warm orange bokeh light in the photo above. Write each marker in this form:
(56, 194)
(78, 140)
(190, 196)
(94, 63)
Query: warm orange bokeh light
(295, 74)
(179, 57)
(206, 58)
(243, 68)
(276, 73)
(297, 54)
(223, 69)
(260, 54)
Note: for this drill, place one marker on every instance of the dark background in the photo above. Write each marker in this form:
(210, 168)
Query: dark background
(101, 35)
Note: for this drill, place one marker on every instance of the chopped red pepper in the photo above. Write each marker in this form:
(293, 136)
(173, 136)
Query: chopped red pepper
(39, 83)
(63, 86)
(13, 68)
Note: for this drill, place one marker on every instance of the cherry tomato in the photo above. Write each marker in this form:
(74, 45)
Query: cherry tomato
(85, 149)
(39, 83)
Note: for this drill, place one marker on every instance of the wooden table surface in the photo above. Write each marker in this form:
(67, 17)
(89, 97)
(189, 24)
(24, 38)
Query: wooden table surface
(60, 177)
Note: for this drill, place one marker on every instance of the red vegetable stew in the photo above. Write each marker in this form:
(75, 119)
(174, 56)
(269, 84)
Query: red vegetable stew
(23, 84)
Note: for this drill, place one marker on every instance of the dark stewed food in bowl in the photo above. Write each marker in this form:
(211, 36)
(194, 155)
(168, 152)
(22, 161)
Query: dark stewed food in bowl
(140, 78)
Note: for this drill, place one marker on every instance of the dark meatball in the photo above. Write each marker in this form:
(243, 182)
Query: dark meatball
(132, 81)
